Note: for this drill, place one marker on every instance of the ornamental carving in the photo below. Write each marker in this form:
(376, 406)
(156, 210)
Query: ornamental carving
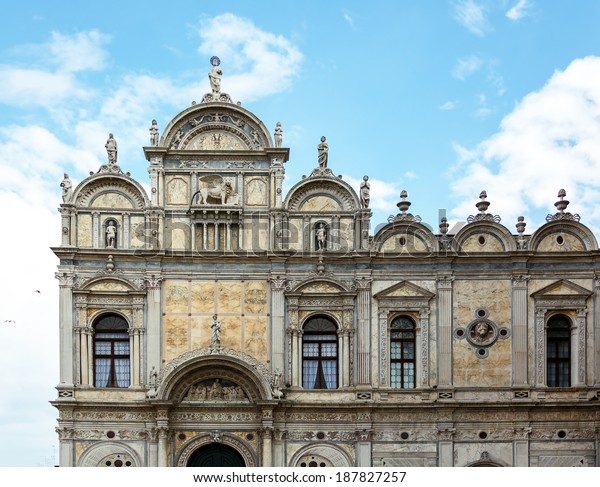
(216, 390)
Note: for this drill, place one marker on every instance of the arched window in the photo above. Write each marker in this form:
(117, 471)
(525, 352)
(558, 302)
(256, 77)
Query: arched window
(320, 354)
(111, 352)
(402, 353)
(558, 352)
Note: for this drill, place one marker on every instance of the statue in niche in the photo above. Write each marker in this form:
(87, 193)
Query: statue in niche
(214, 75)
(321, 237)
(216, 332)
(365, 192)
(111, 149)
(278, 134)
(323, 150)
(111, 235)
(154, 133)
(67, 188)
(277, 384)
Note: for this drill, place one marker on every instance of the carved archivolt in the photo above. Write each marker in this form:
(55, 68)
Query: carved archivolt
(572, 233)
(423, 239)
(332, 454)
(182, 457)
(489, 236)
(337, 190)
(124, 188)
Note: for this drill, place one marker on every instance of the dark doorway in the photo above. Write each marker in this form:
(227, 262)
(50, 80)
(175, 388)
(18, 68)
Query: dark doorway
(216, 455)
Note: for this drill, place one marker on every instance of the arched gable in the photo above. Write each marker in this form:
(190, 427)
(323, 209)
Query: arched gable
(322, 195)
(176, 378)
(216, 126)
(563, 236)
(484, 236)
(110, 192)
(406, 237)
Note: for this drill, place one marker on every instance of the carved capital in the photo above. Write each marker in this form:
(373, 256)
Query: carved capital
(363, 283)
(153, 282)
(65, 279)
(278, 283)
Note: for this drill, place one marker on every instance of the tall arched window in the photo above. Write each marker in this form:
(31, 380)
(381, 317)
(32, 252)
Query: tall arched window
(320, 354)
(111, 352)
(402, 353)
(558, 352)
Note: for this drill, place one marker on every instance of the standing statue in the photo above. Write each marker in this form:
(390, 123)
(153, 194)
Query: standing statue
(111, 149)
(216, 333)
(323, 149)
(67, 188)
(154, 133)
(278, 134)
(215, 75)
(365, 192)
(321, 237)
(111, 235)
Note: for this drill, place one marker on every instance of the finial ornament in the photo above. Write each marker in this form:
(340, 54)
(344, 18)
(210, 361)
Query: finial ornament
(520, 230)
(482, 205)
(403, 205)
(561, 206)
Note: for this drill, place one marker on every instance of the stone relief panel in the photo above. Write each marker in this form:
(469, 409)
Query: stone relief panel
(84, 230)
(137, 233)
(111, 200)
(242, 308)
(215, 390)
(561, 242)
(256, 191)
(216, 141)
(318, 204)
(109, 286)
(495, 297)
(482, 242)
(177, 191)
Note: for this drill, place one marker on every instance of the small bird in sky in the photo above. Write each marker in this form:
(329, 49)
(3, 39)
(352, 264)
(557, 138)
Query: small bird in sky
(9, 321)
(37, 291)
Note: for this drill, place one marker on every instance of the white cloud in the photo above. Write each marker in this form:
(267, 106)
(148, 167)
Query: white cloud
(78, 52)
(472, 16)
(549, 141)
(519, 10)
(466, 66)
(449, 105)
(260, 63)
(349, 19)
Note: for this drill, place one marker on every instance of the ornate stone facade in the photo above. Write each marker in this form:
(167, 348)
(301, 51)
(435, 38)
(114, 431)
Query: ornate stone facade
(219, 314)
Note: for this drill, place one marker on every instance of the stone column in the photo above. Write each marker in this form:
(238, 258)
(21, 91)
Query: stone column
(163, 434)
(423, 344)
(521, 446)
(345, 358)
(540, 347)
(278, 323)
(154, 186)
(444, 330)
(596, 334)
(267, 452)
(446, 445)
(363, 448)
(65, 324)
(578, 348)
(65, 446)
(153, 322)
(519, 330)
(65, 213)
(152, 447)
(363, 331)
(126, 231)
(96, 241)
(279, 448)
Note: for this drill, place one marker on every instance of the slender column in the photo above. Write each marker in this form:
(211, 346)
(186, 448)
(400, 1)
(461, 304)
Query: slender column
(153, 320)
(228, 237)
(297, 358)
(193, 227)
(596, 335)
(152, 447)
(521, 446)
(216, 243)
(540, 347)
(578, 347)
(125, 236)
(519, 330)
(363, 448)
(423, 344)
(363, 332)
(96, 230)
(83, 346)
(204, 236)
(446, 445)
(345, 358)
(65, 320)
(444, 285)
(278, 323)
(65, 446)
(278, 448)
(90, 354)
(163, 433)
(267, 449)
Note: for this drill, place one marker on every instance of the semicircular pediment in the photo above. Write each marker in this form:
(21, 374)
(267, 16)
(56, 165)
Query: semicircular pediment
(114, 192)
(323, 195)
(407, 238)
(216, 126)
(563, 236)
(484, 236)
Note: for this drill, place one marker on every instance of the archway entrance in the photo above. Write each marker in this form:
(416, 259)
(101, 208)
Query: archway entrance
(216, 455)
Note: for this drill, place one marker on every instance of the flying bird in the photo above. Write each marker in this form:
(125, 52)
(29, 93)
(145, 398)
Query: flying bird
(9, 321)
(37, 291)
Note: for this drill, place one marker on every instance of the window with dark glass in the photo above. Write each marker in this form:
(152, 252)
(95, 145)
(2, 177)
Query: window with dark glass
(558, 352)
(111, 352)
(402, 353)
(320, 354)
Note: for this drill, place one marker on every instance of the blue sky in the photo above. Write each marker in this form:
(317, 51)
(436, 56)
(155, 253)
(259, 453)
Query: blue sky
(441, 98)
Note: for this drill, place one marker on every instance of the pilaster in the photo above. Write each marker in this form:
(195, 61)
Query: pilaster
(519, 330)
(444, 331)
